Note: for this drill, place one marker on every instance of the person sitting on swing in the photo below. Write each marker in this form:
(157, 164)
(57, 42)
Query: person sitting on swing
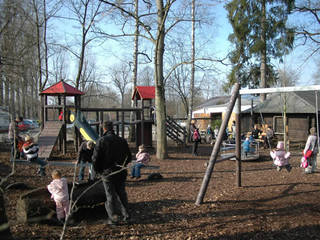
(281, 157)
(267, 138)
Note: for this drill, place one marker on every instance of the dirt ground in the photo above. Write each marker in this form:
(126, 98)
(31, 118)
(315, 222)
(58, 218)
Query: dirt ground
(269, 205)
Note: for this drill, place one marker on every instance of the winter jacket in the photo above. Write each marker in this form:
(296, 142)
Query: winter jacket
(311, 144)
(59, 190)
(110, 153)
(246, 146)
(143, 157)
(84, 154)
(31, 151)
(280, 157)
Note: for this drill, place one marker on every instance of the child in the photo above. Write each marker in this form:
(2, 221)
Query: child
(246, 146)
(280, 157)
(84, 157)
(30, 149)
(196, 139)
(59, 192)
(143, 159)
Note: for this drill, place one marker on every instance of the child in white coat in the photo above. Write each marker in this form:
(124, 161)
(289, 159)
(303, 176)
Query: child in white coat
(281, 157)
(59, 192)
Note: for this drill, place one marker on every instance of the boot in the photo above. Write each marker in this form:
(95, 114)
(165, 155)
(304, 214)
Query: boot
(42, 172)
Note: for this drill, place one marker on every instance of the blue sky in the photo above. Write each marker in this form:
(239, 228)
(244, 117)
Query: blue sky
(105, 55)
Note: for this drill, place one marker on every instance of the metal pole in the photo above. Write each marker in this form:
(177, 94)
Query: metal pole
(215, 151)
(238, 141)
(317, 119)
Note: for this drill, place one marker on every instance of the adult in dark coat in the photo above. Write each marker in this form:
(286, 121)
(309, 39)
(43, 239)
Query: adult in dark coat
(110, 157)
(84, 157)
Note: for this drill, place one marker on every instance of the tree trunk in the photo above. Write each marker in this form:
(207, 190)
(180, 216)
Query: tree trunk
(160, 94)
(1, 89)
(45, 43)
(24, 84)
(135, 69)
(6, 91)
(191, 93)
(18, 97)
(37, 206)
(12, 99)
(32, 101)
(264, 51)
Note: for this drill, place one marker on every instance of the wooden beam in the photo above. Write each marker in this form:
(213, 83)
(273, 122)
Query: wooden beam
(280, 89)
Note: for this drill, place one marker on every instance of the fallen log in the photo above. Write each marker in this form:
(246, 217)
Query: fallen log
(37, 205)
(4, 225)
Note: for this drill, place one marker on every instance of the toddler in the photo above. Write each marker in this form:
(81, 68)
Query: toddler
(59, 192)
(280, 157)
(246, 146)
(143, 159)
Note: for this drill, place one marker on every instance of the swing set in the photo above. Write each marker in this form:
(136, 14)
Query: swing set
(235, 105)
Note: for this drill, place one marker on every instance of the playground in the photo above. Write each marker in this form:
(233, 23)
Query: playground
(269, 205)
(242, 200)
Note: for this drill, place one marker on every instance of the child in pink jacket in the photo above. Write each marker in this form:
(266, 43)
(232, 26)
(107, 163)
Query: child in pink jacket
(143, 159)
(281, 157)
(59, 192)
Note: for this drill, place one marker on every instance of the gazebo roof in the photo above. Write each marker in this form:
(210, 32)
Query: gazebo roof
(143, 92)
(62, 88)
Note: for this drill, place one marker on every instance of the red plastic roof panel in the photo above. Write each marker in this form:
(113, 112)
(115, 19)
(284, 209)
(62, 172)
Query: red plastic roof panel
(62, 88)
(144, 92)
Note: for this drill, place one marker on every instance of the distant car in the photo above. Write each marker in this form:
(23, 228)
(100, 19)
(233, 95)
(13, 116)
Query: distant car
(24, 125)
(28, 124)
(35, 123)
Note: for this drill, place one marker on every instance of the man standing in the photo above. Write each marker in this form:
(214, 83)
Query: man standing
(110, 158)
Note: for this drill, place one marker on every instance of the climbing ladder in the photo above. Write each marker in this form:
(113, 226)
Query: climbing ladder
(175, 131)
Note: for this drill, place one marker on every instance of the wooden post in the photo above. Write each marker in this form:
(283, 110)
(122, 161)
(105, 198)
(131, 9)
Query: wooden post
(78, 132)
(97, 120)
(122, 126)
(238, 141)
(216, 147)
(64, 127)
(142, 122)
(117, 127)
(101, 122)
(45, 108)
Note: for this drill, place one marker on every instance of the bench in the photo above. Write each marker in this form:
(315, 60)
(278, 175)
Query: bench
(147, 166)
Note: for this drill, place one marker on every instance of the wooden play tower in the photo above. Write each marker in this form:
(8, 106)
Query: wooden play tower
(143, 97)
(53, 103)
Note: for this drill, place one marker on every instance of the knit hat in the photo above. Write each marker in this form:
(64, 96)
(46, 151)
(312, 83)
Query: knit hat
(280, 145)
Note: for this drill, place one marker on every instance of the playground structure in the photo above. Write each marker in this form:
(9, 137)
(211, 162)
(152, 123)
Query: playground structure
(59, 111)
(235, 105)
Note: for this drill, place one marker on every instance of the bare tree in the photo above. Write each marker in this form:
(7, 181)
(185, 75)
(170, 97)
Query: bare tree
(59, 65)
(146, 76)
(309, 30)
(190, 109)
(119, 74)
(86, 12)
